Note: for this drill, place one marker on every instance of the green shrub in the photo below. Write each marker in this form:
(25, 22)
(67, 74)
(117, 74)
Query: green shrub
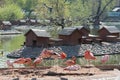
(11, 12)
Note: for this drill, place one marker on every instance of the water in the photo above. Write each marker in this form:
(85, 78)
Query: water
(3, 60)
(9, 43)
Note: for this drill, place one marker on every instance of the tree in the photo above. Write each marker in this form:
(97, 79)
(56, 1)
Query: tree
(100, 10)
(11, 12)
(54, 10)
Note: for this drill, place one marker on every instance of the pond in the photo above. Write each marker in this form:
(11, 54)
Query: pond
(9, 43)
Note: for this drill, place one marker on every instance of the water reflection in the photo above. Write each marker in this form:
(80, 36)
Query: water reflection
(11, 42)
(3, 60)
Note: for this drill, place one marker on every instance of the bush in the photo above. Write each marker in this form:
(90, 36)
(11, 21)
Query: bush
(11, 12)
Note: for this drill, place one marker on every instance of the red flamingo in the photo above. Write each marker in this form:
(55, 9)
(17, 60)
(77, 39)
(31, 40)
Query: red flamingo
(105, 58)
(63, 55)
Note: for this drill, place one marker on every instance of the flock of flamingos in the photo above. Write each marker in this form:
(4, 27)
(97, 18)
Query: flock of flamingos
(47, 53)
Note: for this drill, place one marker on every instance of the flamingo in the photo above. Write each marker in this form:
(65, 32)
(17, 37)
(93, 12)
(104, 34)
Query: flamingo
(19, 61)
(28, 62)
(10, 65)
(71, 61)
(105, 58)
(46, 53)
(58, 54)
(89, 56)
(38, 60)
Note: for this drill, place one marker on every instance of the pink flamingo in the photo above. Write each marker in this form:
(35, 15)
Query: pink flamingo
(19, 61)
(37, 61)
(105, 58)
(9, 64)
(26, 61)
(71, 62)
(46, 53)
(89, 56)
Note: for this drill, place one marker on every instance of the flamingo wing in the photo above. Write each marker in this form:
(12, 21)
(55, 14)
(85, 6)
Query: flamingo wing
(28, 61)
(20, 61)
(70, 62)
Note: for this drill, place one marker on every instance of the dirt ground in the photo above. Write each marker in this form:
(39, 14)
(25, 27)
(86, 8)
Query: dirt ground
(58, 73)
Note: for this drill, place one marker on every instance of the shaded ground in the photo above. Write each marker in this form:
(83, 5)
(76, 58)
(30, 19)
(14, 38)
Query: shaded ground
(58, 73)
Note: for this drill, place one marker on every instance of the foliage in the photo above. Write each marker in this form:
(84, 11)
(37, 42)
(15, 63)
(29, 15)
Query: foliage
(79, 11)
(13, 43)
(10, 12)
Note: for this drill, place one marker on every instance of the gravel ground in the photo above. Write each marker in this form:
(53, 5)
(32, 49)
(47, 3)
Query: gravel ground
(78, 50)
(98, 74)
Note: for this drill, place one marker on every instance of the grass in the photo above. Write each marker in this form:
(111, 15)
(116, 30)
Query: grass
(113, 60)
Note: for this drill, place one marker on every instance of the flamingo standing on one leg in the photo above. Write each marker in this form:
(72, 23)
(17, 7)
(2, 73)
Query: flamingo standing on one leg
(89, 56)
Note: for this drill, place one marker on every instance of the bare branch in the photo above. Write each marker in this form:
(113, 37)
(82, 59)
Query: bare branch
(105, 7)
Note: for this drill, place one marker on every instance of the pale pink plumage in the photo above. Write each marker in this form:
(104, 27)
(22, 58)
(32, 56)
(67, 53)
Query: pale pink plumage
(105, 58)
(9, 64)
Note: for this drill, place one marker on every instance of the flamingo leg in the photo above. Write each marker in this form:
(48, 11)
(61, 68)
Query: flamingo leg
(89, 65)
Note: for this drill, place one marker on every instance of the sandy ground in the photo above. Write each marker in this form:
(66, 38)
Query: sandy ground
(58, 73)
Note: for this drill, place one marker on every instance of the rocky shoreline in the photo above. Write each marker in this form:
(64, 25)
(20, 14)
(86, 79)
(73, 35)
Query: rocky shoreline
(77, 50)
